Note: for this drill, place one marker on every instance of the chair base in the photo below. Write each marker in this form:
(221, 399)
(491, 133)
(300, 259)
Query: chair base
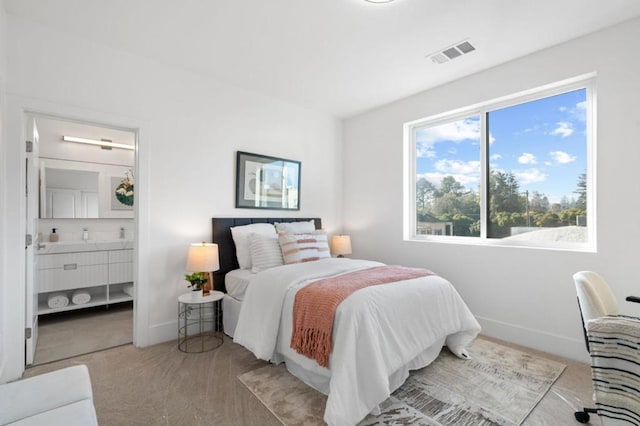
(583, 416)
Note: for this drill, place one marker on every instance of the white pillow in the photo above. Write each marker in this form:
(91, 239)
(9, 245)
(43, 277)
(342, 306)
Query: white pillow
(265, 252)
(295, 227)
(240, 236)
(298, 248)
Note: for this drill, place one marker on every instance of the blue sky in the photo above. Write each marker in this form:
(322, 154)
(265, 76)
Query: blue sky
(542, 142)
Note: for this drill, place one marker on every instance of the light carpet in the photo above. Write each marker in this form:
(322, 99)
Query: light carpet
(498, 386)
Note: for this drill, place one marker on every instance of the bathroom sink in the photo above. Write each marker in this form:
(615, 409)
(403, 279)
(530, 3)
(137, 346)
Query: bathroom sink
(83, 245)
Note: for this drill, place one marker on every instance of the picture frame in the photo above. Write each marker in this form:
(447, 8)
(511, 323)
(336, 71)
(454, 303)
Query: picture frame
(119, 203)
(264, 182)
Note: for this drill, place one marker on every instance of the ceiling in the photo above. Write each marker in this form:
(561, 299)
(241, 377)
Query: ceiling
(338, 56)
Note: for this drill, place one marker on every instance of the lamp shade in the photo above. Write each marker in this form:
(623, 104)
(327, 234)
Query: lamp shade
(341, 244)
(203, 257)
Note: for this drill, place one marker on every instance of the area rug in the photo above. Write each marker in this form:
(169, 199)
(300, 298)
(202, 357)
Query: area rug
(498, 386)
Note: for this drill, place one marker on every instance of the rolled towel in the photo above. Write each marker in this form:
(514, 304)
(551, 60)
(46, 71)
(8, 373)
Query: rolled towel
(80, 297)
(57, 300)
(128, 289)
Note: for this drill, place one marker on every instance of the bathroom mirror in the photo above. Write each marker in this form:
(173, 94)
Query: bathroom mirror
(71, 194)
(81, 190)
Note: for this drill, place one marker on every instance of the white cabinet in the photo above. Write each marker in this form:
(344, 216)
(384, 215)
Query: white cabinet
(101, 273)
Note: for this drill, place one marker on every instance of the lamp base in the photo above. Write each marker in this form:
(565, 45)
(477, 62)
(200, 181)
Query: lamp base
(208, 286)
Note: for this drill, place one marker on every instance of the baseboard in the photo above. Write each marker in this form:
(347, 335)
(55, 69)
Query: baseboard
(164, 332)
(536, 339)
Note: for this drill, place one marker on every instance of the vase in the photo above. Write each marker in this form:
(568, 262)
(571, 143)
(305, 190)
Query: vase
(196, 294)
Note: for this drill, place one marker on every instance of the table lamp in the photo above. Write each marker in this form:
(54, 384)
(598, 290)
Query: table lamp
(203, 257)
(340, 245)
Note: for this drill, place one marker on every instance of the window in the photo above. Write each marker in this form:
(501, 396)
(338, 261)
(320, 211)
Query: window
(515, 170)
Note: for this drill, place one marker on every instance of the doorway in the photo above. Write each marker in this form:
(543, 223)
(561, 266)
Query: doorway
(80, 285)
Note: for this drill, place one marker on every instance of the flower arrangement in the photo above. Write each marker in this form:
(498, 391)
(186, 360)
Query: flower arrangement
(124, 191)
(197, 280)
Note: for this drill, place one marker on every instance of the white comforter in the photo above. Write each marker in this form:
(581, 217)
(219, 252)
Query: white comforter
(378, 331)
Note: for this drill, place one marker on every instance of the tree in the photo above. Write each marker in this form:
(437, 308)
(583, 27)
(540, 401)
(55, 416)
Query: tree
(425, 192)
(539, 202)
(450, 185)
(549, 219)
(568, 217)
(581, 190)
(567, 203)
(504, 193)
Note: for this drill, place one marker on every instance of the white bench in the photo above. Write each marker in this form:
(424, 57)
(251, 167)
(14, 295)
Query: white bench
(62, 397)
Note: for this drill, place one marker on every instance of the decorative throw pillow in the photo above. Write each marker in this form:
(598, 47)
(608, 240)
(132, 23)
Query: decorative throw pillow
(295, 227)
(240, 236)
(265, 252)
(306, 247)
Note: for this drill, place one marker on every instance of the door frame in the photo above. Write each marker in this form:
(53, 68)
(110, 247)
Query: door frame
(12, 347)
(32, 168)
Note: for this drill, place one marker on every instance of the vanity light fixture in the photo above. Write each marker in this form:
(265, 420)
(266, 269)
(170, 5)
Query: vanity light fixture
(378, 1)
(105, 144)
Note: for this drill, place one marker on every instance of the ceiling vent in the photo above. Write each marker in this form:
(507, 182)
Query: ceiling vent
(452, 52)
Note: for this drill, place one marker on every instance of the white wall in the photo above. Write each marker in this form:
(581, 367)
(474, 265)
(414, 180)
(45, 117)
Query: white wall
(3, 201)
(189, 130)
(522, 295)
(52, 130)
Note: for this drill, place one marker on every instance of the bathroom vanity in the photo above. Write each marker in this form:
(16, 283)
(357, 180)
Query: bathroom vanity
(103, 268)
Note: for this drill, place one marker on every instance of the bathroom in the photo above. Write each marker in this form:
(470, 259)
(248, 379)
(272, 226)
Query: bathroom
(83, 257)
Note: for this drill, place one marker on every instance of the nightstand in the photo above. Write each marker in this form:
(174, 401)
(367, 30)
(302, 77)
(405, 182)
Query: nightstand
(199, 322)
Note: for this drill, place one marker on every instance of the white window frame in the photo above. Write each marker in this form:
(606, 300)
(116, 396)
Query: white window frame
(586, 82)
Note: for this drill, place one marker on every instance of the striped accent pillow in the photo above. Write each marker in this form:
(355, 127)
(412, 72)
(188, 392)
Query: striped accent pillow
(265, 252)
(307, 247)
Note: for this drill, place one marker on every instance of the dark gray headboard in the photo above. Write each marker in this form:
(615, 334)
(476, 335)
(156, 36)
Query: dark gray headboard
(221, 235)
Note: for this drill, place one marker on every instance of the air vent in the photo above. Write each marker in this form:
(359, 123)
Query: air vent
(451, 52)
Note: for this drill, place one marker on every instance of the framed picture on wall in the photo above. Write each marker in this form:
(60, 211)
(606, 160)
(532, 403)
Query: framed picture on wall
(121, 189)
(264, 182)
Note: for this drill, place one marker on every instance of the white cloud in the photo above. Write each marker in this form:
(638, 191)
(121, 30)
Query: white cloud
(424, 150)
(495, 157)
(527, 158)
(562, 157)
(526, 177)
(562, 109)
(580, 112)
(470, 182)
(491, 139)
(458, 167)
(548, 163)
(465, 172)
(458, 131)
(564, 129)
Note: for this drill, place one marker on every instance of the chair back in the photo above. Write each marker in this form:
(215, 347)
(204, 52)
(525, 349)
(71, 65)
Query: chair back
(594, 295)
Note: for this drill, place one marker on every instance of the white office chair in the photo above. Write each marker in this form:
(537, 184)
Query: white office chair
(613, 341)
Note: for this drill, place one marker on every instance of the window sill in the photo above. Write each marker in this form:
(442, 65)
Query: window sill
(589, 247)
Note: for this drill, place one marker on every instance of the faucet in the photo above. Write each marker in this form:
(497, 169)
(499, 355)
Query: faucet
(122, 233)
(85, 234)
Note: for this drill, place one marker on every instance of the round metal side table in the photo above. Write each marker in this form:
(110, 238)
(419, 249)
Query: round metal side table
(199, 322)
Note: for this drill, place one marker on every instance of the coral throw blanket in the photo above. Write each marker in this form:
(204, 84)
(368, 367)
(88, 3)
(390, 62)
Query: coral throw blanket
(315, 306)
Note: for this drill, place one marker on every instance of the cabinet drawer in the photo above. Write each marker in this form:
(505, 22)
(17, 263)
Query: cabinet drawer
(120, 272)
(117, 256)
(67, 279)
(49, 261)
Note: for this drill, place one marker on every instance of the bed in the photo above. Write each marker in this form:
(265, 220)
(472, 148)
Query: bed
(380, 332)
